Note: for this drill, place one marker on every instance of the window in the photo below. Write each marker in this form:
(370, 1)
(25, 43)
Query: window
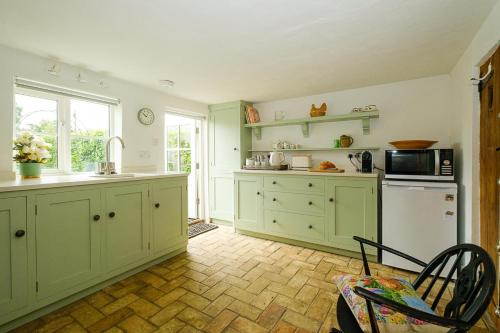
(179, 147)
(76, 128)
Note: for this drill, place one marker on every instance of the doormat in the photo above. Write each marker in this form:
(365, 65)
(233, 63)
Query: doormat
(200, 228)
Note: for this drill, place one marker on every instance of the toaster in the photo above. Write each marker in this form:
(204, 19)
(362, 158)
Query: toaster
(301, 162)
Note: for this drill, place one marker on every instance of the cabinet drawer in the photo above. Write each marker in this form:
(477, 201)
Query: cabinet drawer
(296, 226)
(295, 202)
(298, 184)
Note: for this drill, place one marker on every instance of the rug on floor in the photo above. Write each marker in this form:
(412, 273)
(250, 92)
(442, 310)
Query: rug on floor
(200, 228)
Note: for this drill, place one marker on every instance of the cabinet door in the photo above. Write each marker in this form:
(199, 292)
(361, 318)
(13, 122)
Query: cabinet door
(67, 240)
(13, 255)
(221, 195)
(169, 215)
(126, 234)
(248, 203)
(224, 139)
(352, 211)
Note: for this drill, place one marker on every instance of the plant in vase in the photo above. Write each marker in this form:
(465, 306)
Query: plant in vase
(30, 153)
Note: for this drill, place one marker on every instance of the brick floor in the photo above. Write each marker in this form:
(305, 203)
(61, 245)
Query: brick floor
(226, 282)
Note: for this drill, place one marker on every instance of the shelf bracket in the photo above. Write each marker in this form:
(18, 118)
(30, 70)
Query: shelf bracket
(257, 132)
(365, 122)
(305, 129)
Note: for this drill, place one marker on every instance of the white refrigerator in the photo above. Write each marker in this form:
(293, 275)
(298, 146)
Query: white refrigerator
(418, 218)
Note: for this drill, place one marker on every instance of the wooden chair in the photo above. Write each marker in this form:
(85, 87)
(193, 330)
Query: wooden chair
(472, 293)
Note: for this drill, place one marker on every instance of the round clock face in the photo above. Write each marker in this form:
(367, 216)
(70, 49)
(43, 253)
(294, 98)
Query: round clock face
(146, 116)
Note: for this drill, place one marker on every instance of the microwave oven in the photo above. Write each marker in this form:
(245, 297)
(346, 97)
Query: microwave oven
(420, 164)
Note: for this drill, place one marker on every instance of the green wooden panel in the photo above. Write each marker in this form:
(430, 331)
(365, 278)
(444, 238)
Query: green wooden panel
(294, 183)
(169, 220)
(126, 234)
(67, 240)
(13, 255)
(248, 203)
(224, 139)
(295, 226)
(222, 196)
(351, 213)
(311, 204)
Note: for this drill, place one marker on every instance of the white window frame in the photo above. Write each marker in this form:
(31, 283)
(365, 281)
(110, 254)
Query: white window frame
(64, 126)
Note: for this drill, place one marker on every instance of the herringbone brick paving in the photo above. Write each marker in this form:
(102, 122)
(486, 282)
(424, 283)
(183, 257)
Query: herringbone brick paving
(225, 282)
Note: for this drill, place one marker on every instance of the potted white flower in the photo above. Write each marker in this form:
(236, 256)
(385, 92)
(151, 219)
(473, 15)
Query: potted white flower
(30, 152)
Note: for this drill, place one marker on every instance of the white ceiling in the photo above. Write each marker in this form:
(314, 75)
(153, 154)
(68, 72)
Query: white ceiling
(257, 50)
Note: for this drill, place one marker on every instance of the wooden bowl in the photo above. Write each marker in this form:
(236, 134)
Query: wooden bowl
(413, 144)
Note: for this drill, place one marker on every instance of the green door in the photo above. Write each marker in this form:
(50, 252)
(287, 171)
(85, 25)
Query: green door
(67, 240)
(249, 203)
(13, 255)
(352, 211)
(126, 226)
(169, 216)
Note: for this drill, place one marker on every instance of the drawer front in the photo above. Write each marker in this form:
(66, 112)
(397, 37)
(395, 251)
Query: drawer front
(296, 226)
(294, 183)
(313, 204)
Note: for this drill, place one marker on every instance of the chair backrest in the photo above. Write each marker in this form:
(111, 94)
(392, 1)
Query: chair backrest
(474, 285)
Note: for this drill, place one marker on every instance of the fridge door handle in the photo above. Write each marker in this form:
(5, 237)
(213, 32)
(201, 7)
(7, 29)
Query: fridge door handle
(436, 162)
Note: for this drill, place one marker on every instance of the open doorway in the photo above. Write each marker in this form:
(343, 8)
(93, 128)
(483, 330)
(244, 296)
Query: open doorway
(183, 154)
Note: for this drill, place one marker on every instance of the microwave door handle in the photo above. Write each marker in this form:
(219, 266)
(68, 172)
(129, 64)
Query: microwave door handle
(436, 162)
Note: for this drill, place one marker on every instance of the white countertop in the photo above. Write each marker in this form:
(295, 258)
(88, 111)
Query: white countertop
(309, 173)
(19, 184)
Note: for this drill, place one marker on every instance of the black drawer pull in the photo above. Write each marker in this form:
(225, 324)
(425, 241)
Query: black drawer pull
(20, 233)
(97, 217)
(310, 185)
(331, 199)
(274, 182)
(112, 214)
(258, 193)
(274, 221)
(310, 226)
(157, 205)
(274, 199)
(310, 203)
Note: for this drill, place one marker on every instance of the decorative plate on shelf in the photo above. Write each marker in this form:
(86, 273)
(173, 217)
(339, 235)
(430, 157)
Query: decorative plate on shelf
(413, 144)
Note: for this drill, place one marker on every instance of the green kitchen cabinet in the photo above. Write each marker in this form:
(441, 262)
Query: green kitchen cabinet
(229, 142)
(351, 211)
(249, 203)
(169, 222)
(67, 240)
(126, 226)
(13, 255)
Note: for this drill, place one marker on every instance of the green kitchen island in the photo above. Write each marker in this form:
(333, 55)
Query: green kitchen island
(311, 209)
(64, 237)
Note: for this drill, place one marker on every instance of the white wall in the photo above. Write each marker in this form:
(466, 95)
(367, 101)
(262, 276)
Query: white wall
(415, 109)
(465, 106)
(138, 138)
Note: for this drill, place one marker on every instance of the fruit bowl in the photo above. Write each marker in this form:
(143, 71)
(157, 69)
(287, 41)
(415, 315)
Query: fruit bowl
(412, 144)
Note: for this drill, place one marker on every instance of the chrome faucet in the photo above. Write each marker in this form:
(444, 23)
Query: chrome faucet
(108, 168)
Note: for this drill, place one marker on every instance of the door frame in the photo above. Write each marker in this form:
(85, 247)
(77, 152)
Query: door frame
(200, 152)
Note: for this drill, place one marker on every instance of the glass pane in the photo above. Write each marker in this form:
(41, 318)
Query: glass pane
(89, 131)
(172, 160)
(38, 116)
(185, 136)
(172, 136)
(185, 160)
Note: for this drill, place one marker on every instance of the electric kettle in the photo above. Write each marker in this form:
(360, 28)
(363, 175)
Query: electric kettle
(277, 157)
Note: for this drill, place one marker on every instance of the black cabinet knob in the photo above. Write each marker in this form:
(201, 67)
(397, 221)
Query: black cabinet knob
(274, 221)
(331, 199)
(97, 217)
(112, 214)
(310, 185)
(258, 193)
(157, 205)
(274, 182)
(310, 203)
(310, 226)
(20, 233)
(235, 149)
(274, 199)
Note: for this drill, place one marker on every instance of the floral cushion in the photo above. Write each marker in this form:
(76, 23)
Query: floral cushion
(396, 289)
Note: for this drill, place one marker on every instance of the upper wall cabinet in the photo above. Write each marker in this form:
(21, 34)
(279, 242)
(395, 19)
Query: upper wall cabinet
(13, 255)
(229, 142)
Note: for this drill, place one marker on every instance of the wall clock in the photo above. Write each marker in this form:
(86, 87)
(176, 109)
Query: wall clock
(146, 116)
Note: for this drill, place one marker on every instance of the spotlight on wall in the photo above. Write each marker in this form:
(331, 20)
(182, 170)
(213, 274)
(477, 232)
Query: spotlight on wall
(167, 83)
(54, 70)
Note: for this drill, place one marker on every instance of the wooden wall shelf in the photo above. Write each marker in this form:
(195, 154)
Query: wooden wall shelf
(305, 122)
(318, 149)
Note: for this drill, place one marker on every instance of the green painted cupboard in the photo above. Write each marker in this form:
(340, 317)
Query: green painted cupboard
(59, 243)
(318, 210)
(13, 254)
(228, 144)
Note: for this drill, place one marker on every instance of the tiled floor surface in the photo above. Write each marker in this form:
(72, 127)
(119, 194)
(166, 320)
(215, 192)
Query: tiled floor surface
(226, 282)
